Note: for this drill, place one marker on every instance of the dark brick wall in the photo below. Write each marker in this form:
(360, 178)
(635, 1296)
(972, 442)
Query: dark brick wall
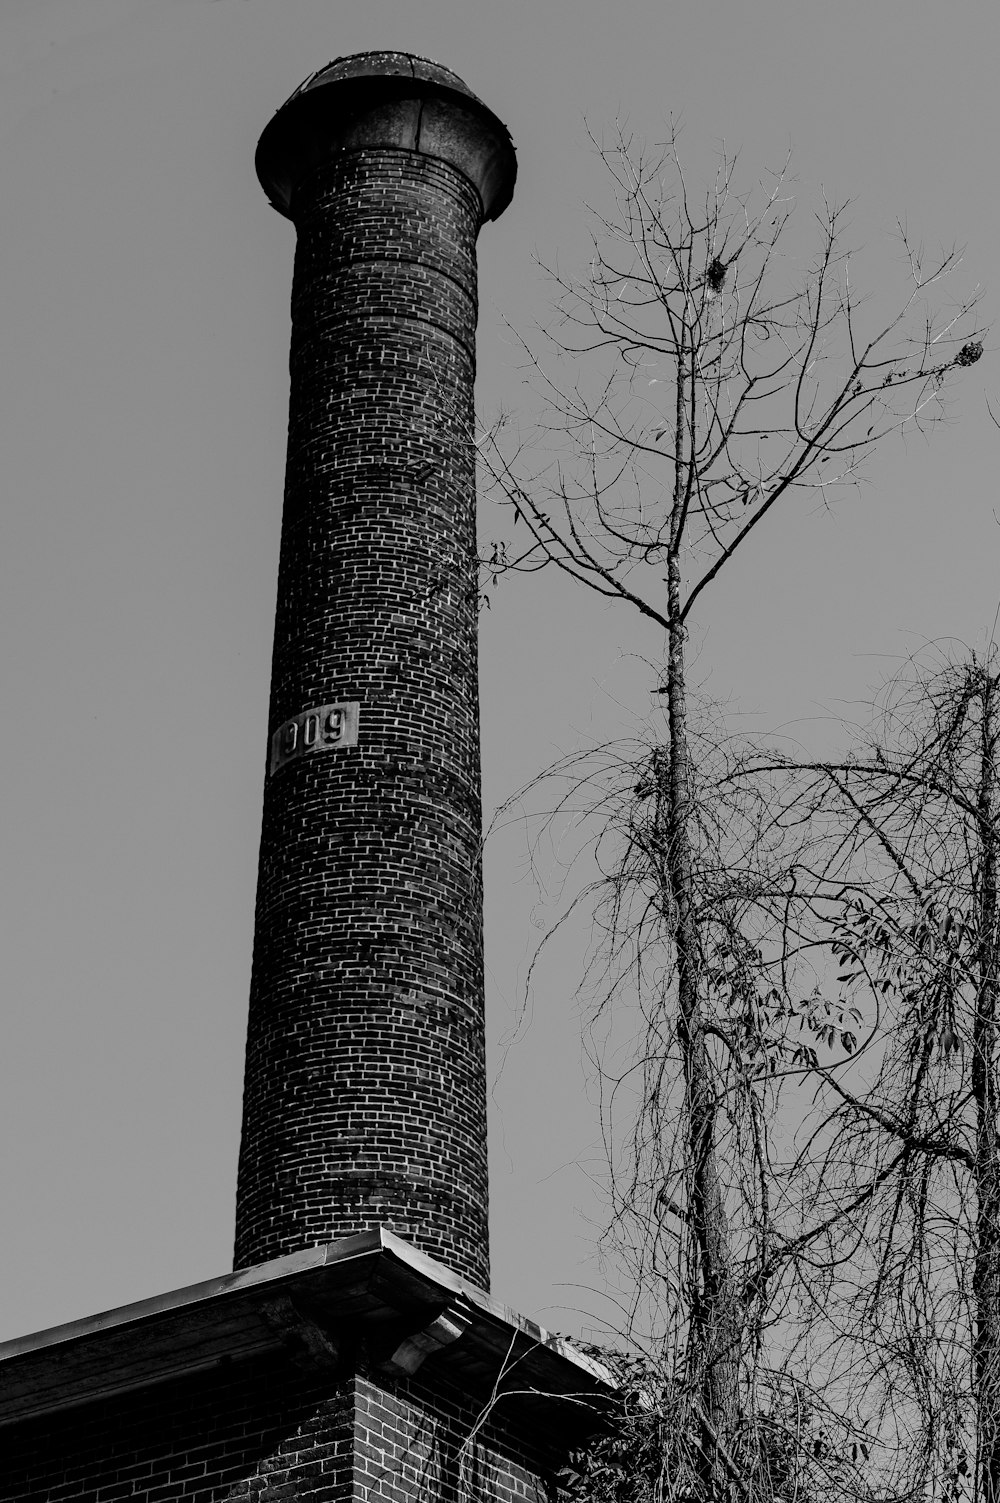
(263, 1432)
(365, 1081)
(425, 1440)
(242, 1432)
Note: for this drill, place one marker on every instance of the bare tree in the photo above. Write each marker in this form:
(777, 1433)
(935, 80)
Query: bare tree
(901, 1292)
(700, 375)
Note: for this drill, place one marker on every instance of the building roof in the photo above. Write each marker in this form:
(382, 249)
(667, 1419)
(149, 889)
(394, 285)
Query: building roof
(374, 1289)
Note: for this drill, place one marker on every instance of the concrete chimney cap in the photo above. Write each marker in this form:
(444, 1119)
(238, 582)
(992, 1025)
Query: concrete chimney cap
(386, 65)
(386, 99)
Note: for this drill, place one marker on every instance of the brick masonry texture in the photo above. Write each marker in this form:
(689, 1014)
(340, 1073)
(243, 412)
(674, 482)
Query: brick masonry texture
(264, 1431)
(365, 1078)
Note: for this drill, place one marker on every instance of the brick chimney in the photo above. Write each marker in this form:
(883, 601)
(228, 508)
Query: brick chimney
(365, 1097)
(340, 1362)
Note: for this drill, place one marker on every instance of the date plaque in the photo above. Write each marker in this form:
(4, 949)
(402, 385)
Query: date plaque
(327, 728)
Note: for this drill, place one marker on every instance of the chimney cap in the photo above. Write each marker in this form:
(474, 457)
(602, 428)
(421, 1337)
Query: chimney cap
(385, 65)
(386, 99)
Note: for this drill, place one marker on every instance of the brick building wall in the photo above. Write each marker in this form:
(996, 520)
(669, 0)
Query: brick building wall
(365, 1080)
(264, 1431)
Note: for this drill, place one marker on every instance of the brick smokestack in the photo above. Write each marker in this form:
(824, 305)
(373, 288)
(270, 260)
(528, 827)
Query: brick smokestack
(365, 1098)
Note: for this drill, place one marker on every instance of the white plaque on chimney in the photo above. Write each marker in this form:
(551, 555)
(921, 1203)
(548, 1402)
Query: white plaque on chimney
(326, 728)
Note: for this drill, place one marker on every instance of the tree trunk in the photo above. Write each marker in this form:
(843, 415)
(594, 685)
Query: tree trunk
(986, 1275)
(713, 1358)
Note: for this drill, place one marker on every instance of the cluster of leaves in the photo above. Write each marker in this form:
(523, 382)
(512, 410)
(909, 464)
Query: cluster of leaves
(651, 1446)
(629, 1458)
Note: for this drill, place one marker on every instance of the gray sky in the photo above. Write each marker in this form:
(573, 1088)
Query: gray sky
(144, 290)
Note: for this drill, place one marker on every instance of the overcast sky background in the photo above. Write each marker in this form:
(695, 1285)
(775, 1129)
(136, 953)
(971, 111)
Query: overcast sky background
(144, 288)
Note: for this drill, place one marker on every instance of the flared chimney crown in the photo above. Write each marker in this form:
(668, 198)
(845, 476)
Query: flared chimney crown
(386, 99)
